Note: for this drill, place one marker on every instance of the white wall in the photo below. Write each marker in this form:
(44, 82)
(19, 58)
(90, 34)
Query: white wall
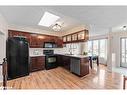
(114, 48)
(3, 36)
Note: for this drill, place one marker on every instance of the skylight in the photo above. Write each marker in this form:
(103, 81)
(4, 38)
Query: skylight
(48, 19)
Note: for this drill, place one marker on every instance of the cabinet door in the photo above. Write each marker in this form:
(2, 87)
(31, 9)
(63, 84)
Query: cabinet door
(64, 39)
(27, 36)
(86, 35)
(33, 41)
(59, 60)
(66, 62)
(69, 38)
(47, 39)
(59, 42)
(37, 63)
(84, 66)
(74, 37)
(40, 41)
(12, 33)
(33, 61)
(41, 63)
(81, 35)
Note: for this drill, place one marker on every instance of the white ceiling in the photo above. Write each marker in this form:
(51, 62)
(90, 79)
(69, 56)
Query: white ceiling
(30, 16)
(100, 18)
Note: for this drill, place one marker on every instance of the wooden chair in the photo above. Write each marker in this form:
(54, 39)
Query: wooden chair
(93, 58)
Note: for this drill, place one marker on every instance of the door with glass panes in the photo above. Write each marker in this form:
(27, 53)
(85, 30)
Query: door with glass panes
(123, 52)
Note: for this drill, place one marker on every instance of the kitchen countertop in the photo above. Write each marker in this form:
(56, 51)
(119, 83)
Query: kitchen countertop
(37, 55)
(76, 56)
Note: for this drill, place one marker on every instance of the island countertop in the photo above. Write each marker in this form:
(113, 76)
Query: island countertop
(77, 64)
(74, 55)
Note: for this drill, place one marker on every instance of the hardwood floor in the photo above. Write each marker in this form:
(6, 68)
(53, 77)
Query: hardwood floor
(59, 78)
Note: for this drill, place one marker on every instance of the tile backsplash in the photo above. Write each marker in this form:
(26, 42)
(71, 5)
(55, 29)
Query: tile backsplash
(35, 51)
(39, 51)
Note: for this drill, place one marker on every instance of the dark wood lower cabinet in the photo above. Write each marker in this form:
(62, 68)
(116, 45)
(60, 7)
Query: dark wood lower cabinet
(66, 62)
(63, 61)
(37, 63)
(84, 66)
(78, 66)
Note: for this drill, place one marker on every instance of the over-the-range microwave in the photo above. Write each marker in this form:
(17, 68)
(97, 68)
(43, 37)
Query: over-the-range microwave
(49, 45)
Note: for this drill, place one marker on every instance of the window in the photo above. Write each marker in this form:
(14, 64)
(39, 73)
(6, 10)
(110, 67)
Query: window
(73, 48)
(98, 47)
(103, 48)
(95, 47)
(90, 47)
(48, 19)
(123, 52)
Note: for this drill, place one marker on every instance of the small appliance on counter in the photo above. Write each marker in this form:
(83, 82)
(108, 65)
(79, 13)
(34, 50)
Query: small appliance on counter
(17, 57)
(50, 59)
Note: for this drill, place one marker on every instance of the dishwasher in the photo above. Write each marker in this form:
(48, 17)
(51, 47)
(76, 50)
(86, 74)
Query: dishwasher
(75, 66)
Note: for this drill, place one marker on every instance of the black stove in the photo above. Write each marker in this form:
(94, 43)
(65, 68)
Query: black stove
(50, 59)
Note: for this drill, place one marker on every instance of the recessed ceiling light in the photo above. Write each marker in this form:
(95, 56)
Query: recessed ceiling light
(48, 19)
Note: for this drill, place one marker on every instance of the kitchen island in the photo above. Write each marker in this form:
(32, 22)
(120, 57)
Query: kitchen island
(77, 64)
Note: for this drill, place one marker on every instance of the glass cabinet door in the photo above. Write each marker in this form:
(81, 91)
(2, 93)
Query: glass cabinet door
(69, 38)
(64, 39)
(74, 37)
(81, 35)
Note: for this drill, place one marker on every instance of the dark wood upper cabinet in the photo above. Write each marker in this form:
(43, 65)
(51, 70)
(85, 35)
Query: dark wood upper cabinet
(79, 36)
(86, 35)
(64, 39)
(37, 40)
(74, 37)
(14, 33)
(59, 42)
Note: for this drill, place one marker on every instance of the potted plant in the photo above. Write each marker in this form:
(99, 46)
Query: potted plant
(85, 53)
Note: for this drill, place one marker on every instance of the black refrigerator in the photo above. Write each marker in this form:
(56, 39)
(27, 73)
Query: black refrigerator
(17, 57)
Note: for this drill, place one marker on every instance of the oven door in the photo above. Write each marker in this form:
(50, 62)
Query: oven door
(51, 61)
